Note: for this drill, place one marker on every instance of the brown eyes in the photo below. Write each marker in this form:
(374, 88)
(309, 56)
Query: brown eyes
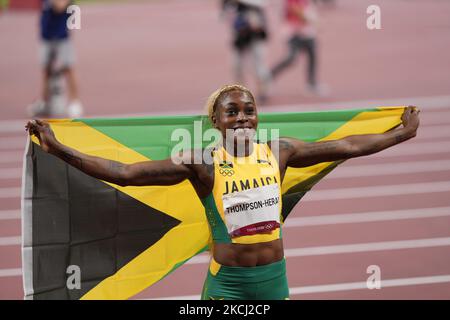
(232, 112)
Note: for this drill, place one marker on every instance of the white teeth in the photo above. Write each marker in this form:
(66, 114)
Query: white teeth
(244, 133)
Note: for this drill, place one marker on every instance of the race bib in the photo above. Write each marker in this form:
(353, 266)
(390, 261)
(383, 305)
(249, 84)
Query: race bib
(252, 211)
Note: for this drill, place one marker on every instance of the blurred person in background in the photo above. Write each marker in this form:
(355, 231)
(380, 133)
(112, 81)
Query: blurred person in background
(328, 3)
(57, 58)
(3, 5)
(301, 25)
(249, 40)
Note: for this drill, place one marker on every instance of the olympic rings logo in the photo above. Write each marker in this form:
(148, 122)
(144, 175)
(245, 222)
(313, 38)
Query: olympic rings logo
(226, 172)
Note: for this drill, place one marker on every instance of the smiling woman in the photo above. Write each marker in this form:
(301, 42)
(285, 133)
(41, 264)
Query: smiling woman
(236, 118)
(240, 189)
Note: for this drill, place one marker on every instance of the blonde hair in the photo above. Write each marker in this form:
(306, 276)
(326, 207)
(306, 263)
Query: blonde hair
(211, 103)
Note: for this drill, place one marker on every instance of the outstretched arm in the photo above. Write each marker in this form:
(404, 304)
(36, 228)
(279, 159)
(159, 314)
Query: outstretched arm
(297, 153)
(163, 172)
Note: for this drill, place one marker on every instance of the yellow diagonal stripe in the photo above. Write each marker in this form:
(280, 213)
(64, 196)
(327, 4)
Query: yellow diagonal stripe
(366, 122)
(179, 244)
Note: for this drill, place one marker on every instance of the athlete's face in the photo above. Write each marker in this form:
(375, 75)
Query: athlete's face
(236, 115)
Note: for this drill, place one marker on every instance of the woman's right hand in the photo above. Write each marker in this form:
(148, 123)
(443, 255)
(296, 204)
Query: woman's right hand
(44, 133)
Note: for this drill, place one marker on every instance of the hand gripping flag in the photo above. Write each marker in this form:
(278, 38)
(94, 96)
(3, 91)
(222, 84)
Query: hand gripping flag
(84, 238)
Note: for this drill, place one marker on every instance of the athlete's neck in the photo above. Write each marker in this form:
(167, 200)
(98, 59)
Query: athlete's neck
(238, 147)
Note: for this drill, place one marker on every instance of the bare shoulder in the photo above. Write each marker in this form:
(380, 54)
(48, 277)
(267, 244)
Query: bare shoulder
(286, 145)
(200, 162)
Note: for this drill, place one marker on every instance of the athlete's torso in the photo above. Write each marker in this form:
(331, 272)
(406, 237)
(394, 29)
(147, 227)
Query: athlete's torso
(244, 208)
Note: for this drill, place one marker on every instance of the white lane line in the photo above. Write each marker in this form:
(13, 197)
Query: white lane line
(367, 217)
(317, 250)
(368, 247)
(433, 132)
(344, 171)
(11, 157)
(346, 286)
(333, 194)
(377, 191)
(10, 215)
(412, 149)
(426, 103)
(10, 241)
(433, 118)
(349, 248)
(10, 272)
(371, 170)
(363, 285)
(391, 215)
(322, 250)
(10, 193)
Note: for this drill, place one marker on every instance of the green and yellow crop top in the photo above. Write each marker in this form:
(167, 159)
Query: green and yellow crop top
(245, 203)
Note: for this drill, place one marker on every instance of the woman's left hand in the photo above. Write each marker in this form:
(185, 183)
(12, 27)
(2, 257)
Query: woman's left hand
(410, 119)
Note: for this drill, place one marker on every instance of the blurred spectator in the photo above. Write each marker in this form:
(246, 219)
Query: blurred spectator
(249, 38)
(329, 3)
(301, 22)
(3, 5)
(57, 58)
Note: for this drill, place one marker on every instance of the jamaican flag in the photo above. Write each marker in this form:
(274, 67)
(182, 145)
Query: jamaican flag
(84, 238)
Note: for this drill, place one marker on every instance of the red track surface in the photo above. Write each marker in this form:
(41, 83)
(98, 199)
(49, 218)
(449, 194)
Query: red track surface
(166, 57)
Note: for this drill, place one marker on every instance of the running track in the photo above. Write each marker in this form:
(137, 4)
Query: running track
(391, 209)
